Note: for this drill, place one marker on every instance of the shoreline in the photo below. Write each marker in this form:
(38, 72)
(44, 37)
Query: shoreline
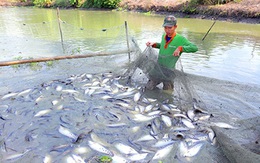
(226, 12)
(206, 17)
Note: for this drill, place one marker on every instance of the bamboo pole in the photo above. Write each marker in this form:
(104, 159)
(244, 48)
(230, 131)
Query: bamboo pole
(208, 30)
(8, 63)
(61, 36)
(127, 40)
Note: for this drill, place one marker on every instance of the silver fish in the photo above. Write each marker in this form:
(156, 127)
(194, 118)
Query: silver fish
(115, 125)
(95, 138)
(16, 156)
(118, 159)
(67, 132)
(81, 150)
(9, 95)
(98, 147)
(3, 145)
(79, 99)
(137, 96)
(148, 108)
(23, 93)
(47, 159)
(58, 88)
(191, 114)
(89, 76)
(142, 118)
(96, 83)
(137, 157)
(211, 135)
(39, 98)
(187, 123)
(202, 118)
(183, 148)
(104, 81)
(172, 106)
(89, 91)
(165, 107)
(193, 150)
(197, 109)
(42, 112)
(78, 159)
(141, 108)
(163, 142)
(61, 148)
(135, 129)
(223, 125)
(70, 91)
(55, 102)
(124, 105)
(152, 99)
(145, 138)
(163, 152)
(125, 94)
(125, 149)
(154, 113)
(176, 128)
(167, 120)
(107, 97)
(180, 115)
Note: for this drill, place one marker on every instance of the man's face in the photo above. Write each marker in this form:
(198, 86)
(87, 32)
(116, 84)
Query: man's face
(170, 30)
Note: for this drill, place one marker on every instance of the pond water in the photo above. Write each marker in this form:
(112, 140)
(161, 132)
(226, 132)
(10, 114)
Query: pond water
(56, 101)
(230, 51)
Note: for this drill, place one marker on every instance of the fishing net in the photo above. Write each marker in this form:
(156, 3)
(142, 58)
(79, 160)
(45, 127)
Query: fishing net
(146, 67)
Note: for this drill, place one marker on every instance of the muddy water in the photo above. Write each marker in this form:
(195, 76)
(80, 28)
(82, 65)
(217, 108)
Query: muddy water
(229, 52)
(224, 74)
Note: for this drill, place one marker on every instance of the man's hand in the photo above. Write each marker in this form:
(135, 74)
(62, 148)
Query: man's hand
(177, 52)
(150, 43)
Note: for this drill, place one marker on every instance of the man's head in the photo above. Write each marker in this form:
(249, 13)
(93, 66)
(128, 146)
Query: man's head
(170, 24)
(169, 21)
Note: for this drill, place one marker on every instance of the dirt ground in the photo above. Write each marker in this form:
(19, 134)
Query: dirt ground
(247, 11)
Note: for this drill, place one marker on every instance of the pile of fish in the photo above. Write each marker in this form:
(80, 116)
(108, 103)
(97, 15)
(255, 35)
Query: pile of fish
(86, 116)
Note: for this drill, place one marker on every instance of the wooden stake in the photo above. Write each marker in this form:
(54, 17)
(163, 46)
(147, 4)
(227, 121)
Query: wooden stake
(8, 63)
(209, 30)
(61, 36)
(127, 40)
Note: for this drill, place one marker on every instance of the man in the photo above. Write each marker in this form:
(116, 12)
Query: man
(171, 47)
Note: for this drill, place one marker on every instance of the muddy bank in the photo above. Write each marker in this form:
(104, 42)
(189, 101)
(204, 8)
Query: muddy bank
(247, 11)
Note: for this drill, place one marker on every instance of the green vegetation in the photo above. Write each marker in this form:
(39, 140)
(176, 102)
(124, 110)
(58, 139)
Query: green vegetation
(104, 159)
(191, 7)
(110, 4)
(32, 65)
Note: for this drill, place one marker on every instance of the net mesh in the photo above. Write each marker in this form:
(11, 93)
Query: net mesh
(145, 66)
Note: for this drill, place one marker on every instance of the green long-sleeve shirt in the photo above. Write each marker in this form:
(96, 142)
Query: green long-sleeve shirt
(166, 57)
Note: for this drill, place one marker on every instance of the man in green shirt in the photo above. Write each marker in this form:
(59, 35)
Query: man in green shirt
(171, 47)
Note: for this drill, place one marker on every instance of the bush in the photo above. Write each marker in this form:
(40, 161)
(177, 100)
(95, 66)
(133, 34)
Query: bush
(110, 4)
(42, 3)
(68, 3)
(62, 3)
(190, 8)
